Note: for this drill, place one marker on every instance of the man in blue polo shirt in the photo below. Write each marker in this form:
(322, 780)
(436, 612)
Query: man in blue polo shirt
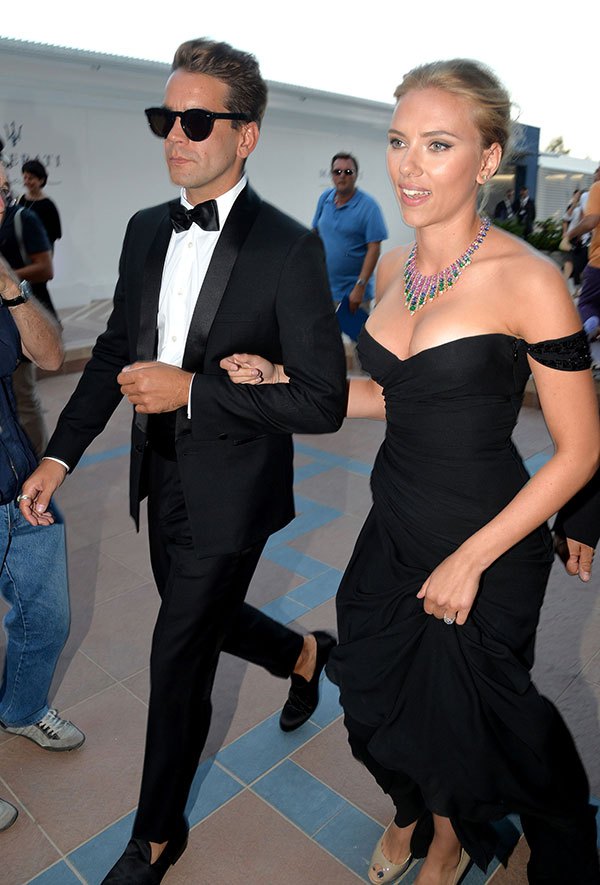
(351, 226)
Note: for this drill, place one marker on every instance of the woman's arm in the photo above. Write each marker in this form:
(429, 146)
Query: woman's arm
(365, 397)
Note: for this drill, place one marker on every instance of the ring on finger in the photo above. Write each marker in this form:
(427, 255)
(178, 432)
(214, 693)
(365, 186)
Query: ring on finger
(449, 619)
(23, 498)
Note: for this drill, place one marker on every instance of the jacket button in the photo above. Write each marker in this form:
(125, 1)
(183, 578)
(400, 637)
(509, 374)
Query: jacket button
(139, 447)
(223, 436)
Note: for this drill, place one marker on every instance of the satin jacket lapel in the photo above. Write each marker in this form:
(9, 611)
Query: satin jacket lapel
(149, 295)
(150, 291)
(233, 235)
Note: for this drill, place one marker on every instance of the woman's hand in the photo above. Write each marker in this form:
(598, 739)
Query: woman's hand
(249, 368)
(451, 588)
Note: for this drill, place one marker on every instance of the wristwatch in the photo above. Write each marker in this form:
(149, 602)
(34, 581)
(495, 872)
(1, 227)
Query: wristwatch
(361, 282)
(25, 294)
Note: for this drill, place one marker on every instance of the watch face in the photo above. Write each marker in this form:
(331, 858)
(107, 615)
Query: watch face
(25, 289)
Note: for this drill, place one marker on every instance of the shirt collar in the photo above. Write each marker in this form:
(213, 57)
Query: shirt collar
(224, 202)
(352, 199)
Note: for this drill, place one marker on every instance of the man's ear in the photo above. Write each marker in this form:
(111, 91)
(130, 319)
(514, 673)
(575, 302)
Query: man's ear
(249, 133)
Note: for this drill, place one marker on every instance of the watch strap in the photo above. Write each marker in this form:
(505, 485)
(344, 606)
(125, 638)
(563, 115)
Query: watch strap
(23, 297)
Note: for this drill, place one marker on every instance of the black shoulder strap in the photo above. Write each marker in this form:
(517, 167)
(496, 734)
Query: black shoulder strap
(18, 228)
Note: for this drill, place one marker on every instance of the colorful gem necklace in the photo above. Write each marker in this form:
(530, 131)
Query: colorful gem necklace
(418, 290)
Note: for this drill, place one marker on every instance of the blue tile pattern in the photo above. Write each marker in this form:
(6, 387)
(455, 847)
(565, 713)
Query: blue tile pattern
(94, 859)
(534, 463)
(302, 798)
(59, 874)
(262, 747)
(350, 837)
(212, 788)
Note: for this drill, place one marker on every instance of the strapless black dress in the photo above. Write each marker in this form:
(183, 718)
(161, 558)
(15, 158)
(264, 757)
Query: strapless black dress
(454, 707)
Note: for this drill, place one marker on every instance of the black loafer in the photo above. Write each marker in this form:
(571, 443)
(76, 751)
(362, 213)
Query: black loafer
(303, 697)
(134, 867)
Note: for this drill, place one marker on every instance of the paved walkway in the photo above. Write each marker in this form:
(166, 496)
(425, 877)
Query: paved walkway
(266, 807)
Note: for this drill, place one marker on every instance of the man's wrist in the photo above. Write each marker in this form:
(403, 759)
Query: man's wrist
(15, 293)
(57, 461)
(10, 291)
(361, 281)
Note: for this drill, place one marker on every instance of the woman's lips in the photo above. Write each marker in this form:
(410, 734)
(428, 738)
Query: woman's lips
(412, 196)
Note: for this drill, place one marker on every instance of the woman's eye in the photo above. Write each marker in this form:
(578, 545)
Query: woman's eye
(396, 143)
(439, 146)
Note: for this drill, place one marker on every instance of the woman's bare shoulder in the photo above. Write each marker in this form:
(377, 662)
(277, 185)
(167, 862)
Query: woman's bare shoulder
(532, 288)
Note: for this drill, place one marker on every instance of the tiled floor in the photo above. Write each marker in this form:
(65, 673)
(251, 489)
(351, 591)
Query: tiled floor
(265, 806)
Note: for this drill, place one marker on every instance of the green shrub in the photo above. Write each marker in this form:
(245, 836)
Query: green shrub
(512, 226)
(546, 235)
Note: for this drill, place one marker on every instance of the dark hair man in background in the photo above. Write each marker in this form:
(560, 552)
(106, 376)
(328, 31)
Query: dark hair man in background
(25, 246)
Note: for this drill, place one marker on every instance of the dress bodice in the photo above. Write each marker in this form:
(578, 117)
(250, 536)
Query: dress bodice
(461, 396)
(451, 411)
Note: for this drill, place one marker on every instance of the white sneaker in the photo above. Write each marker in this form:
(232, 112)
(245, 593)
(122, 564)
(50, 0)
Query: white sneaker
(51, 732)
(8, 815)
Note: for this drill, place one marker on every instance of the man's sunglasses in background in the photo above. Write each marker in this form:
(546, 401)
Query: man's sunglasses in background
(196, 123)
(339, 172)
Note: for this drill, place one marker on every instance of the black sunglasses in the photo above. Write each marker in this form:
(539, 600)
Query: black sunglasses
(339, 172)
(196, 123)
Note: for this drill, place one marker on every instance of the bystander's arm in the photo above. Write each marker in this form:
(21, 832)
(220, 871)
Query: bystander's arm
(369, 264)
(40, 270)
(587, 223)
(40, 333)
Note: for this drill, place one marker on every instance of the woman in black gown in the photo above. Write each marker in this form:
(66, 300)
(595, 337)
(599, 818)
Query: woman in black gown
(440, 602)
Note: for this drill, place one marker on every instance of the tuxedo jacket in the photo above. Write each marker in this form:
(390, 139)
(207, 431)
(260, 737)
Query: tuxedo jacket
(525, 214)
(265, 292)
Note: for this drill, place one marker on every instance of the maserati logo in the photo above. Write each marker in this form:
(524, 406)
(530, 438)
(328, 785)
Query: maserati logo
(13, 133)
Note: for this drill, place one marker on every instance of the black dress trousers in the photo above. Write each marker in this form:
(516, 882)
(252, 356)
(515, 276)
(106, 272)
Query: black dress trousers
(202, 613)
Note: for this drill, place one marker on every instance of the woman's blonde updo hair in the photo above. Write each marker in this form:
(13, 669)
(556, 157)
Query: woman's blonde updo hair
(474, 81)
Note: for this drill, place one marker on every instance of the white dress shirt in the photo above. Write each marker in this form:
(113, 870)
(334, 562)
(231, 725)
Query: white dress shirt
(186, 263)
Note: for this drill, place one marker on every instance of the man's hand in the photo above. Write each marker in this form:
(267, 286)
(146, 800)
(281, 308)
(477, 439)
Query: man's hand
(356, 298)
(577, 557)
(155, 387)
(37, 492)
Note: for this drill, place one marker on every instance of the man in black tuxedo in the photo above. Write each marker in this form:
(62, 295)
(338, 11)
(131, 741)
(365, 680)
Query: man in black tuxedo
(524, 209)
(214, 458)
(504, 208)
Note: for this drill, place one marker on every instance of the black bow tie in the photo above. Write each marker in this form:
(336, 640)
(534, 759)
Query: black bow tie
(205, 214)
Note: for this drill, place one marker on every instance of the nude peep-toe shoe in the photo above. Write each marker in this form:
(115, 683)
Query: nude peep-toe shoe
(461, 869)
(383, 871)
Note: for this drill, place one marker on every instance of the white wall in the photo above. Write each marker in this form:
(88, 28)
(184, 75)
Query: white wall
(82, 114)
(558, 176)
